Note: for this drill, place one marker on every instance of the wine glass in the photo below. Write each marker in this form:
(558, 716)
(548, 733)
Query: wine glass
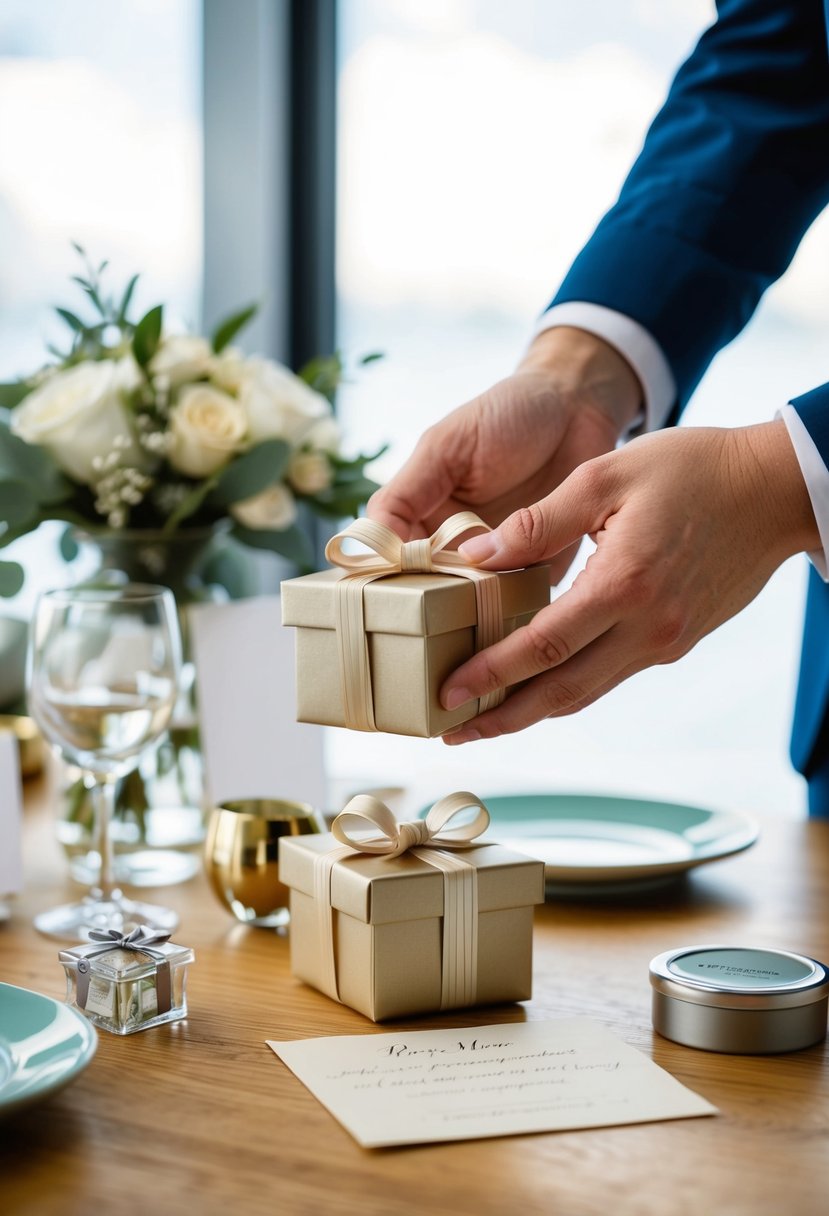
(102, 676)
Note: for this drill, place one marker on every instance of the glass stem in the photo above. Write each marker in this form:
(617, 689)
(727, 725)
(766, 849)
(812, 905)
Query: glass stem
(103, 803)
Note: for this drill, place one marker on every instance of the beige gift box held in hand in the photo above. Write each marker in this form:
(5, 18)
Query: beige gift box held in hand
(377, 638)
(414, 917)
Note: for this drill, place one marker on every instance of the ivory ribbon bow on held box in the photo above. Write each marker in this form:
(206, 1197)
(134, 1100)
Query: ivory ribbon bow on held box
(414, 917)
(377, 638)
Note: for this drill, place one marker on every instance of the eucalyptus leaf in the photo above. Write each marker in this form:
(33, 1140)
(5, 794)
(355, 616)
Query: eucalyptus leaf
(28, 463)
(69, 547)
(373, 357)
(232, 566)
(340, 501)
(227, 330)
(323, 374)
(18, 506)
(292, 543)
(12, 534)
(91, 290)
(11, 578)
(127, 298)
(189, 504)
(147, 335)
(260, 467)
(74, 322)
(13, 393)
(351, 470)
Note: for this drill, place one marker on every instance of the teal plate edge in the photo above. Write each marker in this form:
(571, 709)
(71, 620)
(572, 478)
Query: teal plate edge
(715, 834)
(44, 1045)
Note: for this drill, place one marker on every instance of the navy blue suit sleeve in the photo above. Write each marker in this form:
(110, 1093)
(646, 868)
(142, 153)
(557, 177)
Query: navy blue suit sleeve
(813, 409)
(733, 170)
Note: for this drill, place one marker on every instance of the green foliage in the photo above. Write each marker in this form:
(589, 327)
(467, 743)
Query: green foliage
(67, 545)
(345, 498)
(33, 488)
(18, 506)
(292, 543)
(324, 374)
(11, 579)
(123, 308)
(12, 394)
(147, 335)
(32, 465)
(190, 504)
(230, 565)
(256, 470)
(227, 330)
(350, 488)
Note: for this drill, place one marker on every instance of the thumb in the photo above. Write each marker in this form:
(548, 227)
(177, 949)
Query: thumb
(536, 533)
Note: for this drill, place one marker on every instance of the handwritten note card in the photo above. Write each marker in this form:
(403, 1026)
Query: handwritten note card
(420, 1086)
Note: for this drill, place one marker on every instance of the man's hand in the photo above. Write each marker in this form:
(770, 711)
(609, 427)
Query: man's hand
(570, 399)
(688, 524)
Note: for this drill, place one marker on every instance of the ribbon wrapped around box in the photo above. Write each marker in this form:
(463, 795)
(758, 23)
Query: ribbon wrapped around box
(413, 917)
(127, 981)
(377, 637)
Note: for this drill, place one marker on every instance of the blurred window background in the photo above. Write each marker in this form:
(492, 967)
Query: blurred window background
(100, 143)
(478, 143)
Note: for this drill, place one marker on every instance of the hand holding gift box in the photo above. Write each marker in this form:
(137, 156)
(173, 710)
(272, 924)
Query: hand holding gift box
(413, 917)
(377, 638)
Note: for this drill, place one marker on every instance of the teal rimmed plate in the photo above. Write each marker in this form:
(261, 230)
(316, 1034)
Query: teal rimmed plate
(598, 844)
(43, 1046)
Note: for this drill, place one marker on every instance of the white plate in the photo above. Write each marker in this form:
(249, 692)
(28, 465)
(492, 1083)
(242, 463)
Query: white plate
(43, 1046)
(592, 843)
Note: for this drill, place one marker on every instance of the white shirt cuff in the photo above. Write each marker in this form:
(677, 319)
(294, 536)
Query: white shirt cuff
(816, 475)
(635, 344)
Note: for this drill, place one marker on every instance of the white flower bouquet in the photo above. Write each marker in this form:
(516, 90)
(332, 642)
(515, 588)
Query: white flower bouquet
(134, 428)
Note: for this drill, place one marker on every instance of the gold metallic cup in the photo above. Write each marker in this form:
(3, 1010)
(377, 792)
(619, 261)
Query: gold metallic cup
(241, 856)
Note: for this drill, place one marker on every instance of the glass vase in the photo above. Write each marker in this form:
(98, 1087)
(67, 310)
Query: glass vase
(159, 824)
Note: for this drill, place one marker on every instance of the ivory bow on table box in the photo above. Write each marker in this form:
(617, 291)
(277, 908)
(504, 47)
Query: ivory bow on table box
(414, 917)
(377, 638)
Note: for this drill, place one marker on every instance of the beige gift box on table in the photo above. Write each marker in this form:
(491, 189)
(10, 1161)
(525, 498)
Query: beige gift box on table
(414, 629)
(395, 934)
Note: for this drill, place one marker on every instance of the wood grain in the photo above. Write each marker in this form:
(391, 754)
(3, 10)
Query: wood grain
(201, 1116)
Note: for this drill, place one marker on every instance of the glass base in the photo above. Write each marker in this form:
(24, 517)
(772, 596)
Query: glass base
(142, 868)
(167, 849)
(278, 919)
(73, 922)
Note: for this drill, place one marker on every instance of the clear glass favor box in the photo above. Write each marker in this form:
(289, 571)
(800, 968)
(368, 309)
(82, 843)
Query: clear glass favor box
(124, 989)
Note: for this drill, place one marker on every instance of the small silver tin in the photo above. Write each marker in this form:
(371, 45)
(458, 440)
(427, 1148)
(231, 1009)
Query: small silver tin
(739, 999)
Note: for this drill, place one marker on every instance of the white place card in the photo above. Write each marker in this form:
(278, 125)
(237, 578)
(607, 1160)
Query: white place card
(11, 808)
(415, 1087)
(253, 745)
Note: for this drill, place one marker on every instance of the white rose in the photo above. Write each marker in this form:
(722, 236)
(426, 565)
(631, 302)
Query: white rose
(182, 358)
(309, 472)
(228, 370)
(79, 414)
(206, 428)
(325, 436)
(278, 404)
(274, 509)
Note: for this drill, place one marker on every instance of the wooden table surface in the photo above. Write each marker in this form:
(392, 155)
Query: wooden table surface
(201, 1117)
